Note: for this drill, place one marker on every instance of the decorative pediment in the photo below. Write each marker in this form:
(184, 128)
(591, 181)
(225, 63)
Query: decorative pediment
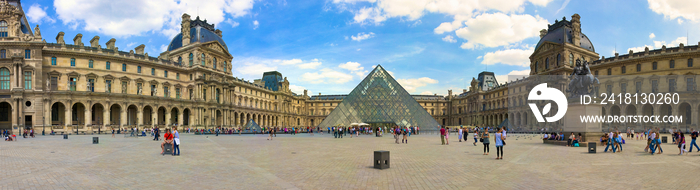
(689, 73)
(91, 76)
(54, 73)
(140, 80)
(28, 68)
(74, 74)
(108, 77)
(216, 46)
(154, 82)
(178, 86)
(190, 86)
(125, 79)
(166, 84)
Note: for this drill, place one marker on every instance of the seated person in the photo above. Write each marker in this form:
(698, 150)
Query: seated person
(167, 139)
(545, 136)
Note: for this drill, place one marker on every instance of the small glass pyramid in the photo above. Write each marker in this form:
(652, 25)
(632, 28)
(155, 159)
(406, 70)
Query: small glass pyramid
(380, 99)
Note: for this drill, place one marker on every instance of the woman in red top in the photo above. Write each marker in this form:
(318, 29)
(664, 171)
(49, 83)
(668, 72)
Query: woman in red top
(168, 138)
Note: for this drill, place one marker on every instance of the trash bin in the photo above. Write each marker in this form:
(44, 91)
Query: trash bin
(65, 136)
(591, 147)
(381, 159)
(95, 140)
(664, 139)
(168, 148)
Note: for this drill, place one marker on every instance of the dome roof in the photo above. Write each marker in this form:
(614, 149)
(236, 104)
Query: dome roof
(198, 33)
(561, 32)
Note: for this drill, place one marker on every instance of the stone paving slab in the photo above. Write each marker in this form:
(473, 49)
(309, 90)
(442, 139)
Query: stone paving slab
(323, 162)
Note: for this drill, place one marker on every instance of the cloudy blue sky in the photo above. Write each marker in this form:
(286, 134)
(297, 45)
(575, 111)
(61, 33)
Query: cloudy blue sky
(328, 46)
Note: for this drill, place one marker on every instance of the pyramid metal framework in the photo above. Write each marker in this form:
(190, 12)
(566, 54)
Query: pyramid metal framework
(380, 99)
(252, 126)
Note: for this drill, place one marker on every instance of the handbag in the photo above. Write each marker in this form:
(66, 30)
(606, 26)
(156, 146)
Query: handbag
(481, 139)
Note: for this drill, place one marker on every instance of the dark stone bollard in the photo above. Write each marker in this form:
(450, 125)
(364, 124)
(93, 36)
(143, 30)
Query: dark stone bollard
(664, 139)
(591, 147)
(65, 136)
(381, 159)
(95, 140)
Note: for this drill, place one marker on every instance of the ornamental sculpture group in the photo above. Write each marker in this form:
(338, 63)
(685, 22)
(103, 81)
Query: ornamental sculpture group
(582, 80)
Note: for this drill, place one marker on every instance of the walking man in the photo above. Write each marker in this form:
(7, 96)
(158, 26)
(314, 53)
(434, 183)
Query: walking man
(693, 135)
(442, 134)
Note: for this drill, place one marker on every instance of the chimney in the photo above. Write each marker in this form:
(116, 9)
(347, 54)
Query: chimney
(576, 29)
(218, 32)
(464, 90)
(305, 92)
(185, 30)
(59, 38)
(319, 93)
(95, 42)
(110, 43)
(78, 40)
(139, 49)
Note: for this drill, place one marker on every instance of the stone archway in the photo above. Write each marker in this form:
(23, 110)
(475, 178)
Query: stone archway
(132, 115)
(58, 114)
(186, 117)
(161, 116)
(115, 114)
(78, 114)
(147, 116)
(175, 116)
(97, 110)
(5, 115)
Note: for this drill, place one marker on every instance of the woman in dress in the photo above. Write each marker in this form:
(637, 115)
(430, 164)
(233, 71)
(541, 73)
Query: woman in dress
(486, 142)
(447, 135)
(499, 144)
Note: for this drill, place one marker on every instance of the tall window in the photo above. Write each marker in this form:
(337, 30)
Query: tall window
(153, 90)
(690, 62)
(53, 60)
(72, 62)
(177, 76)
(179, 60)
(204, 63)
(177, 93)
(546, 63)
(215, 63)
(191, 59)
(654, 65)
(654, 86)
(107, 65)
(153, 71)
(571, 59)
(165, 74)
(671, 85)
(690, 84)
(672, 64)
(108, 87)
(124, 87)
(138, 69)
(27, 80)
(225, 66)
(123, 66)
(139, 88)
(54, 83)
(91, 84)
(90, 63)
(72, 82)
(638, 86)
(217, 95)
(191, 92)
(596, 73)
(639, 67)
(27, 54)
(608, 89)
(536, 66)
(558, 59)
(3, 29)
(166, 91)
(624, 69)
(609, 71)
(3, 53)
(623, 88)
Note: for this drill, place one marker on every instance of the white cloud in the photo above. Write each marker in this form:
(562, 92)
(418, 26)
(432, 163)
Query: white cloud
(427, 93)
(680, 21)
(232, 23)
(163, 48)
(36, 14)
(130, 45)
(512, 76)
(298, 89)
(354, 67)
(254, 69)
(412, 84)
(352, 1)
(326, 76)
(122, 18)
(672, 9)
(517, 57)
(659, 44)
(290, 62)
(256, 24)
(563, 5)
(310, 65)
(451, 26)
(449, 38)
(652, 36)
(362, 36)
(498, 29)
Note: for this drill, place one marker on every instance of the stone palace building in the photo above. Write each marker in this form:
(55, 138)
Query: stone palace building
(69, 87)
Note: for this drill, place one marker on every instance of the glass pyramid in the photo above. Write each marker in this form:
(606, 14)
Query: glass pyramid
(379, 99)
(252, 126)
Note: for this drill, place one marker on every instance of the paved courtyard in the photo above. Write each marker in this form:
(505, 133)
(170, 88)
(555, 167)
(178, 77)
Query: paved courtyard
(322, 162)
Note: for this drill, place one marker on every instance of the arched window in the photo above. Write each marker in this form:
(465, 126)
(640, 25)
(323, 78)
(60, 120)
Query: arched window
(546, 63)
(3, 29)
(27, 54)
(4, 78)
(3, 53)
(72, 62)
(571, 59)
(53, 60)
(191, 59)
(215, 63)
(179, 60)
(204, 62)
(558, 59)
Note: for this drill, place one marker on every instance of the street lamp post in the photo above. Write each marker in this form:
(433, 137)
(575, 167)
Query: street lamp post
(43, 121)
